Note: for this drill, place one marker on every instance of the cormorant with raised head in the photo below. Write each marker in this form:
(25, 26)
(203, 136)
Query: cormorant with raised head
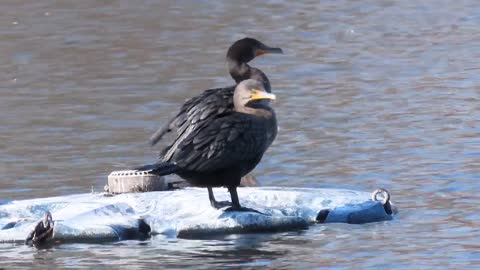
(214, 102)
(225, 148)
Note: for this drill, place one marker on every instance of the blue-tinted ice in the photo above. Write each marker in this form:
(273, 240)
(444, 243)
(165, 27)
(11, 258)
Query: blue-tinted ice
(185, 213)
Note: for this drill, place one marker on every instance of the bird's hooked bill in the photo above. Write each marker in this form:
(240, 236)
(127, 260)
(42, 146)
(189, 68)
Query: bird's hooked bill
(257, 94)
(266, 50)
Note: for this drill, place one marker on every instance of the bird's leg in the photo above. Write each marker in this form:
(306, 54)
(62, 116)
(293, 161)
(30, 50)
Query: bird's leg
(214, 203)
(236, 203)
(234, 196)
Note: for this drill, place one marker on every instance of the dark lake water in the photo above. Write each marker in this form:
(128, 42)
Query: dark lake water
(373, 93)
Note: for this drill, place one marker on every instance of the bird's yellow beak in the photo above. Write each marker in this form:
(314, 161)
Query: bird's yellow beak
(257, 94)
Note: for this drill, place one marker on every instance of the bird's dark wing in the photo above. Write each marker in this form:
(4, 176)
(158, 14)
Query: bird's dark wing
(228, 140)
(210, 103)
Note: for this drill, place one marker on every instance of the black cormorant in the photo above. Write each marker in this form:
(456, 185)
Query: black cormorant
(225, 148)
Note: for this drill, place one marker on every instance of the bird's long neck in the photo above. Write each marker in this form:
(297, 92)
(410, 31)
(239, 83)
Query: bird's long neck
(267, 114)
(242, 71)
(239, 70)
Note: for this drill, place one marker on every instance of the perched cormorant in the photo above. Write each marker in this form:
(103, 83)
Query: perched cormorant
(215, 102)
(225, 148)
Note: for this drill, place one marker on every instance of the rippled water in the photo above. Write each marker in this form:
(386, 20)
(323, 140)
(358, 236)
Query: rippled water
(370, 93)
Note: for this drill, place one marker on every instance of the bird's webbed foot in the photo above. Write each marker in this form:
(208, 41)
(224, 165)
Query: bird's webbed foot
(220, 204)
(214, 203)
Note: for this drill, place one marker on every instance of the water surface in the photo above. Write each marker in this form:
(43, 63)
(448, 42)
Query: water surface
(370, 94)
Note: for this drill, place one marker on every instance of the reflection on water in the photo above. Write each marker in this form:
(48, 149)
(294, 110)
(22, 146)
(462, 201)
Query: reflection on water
(370, 94)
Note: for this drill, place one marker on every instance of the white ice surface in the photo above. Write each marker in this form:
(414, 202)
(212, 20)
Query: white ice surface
(184, 213)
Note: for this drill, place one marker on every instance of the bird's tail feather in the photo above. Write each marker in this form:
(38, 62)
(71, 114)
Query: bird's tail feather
(161, 168)
(157, 136)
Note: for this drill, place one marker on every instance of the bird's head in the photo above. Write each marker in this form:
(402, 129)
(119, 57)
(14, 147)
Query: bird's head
(246, 49)
(249, 93)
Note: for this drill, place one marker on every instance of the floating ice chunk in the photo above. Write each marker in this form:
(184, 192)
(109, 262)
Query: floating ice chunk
(185, 213)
